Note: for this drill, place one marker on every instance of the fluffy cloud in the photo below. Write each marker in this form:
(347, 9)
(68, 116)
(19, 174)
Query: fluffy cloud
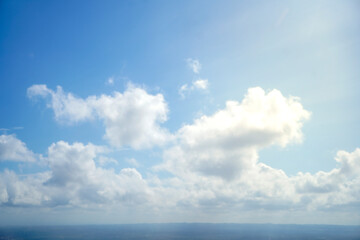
(67, 107)
(337, 187)
(73, 170)
(215, 162)
(227, 142)
(214, 165)
(12, 149)
(131, 118)
(74, 179)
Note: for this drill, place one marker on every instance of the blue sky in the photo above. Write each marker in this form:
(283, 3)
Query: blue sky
(144, 97)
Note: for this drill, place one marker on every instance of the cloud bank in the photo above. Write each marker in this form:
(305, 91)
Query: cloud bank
(212, 166)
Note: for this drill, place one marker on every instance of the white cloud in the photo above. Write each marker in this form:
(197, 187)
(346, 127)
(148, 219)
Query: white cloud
(194, 65)
(38, 90)
(12, 149)
(183, 89)
(74, 180)
(131, 118)
(15, 191)
(200, 84)
(336, 187)
(214, 164)
(67, 107)
(227, 142)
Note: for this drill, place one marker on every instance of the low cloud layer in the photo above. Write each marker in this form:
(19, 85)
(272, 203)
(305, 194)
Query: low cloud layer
(212, 166)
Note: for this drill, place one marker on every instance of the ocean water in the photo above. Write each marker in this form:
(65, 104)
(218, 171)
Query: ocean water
(182, 231)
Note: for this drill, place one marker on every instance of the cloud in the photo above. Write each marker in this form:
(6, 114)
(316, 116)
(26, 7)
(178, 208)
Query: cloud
(227, 142)
(73, 170)
(214, 166)
(12, 149)
(200, 84)
(110, 81)
(103, 160)
(131, 118)
(71, 163)
(183, 89)
(336, 187)
(73, 179)
(67, 107)
(194, 65)
(18, 192)
(282, 17)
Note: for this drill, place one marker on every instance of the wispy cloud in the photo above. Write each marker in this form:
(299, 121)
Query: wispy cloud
(110, 81)
(200, 84)
(282, 17)
(194, 65)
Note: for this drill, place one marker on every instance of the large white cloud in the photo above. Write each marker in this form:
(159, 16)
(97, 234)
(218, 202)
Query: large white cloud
(227, 142)
(215, 162)
(131, 118)
(13, 149)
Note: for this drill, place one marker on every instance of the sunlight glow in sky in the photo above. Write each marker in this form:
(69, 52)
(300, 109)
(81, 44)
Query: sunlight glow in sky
(179, 111)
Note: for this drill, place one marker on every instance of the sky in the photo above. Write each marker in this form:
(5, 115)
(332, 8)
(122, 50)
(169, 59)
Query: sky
(179, 111)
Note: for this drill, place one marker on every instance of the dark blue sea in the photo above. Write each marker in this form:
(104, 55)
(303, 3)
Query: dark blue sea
(180, 231)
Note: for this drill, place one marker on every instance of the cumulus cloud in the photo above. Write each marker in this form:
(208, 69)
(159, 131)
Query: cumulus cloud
(73, 168)
(74, 179)
(336, 187)
(131, 118)
(13, 149)
(227, 142)
(194, 65)
(214, 165)
(17, 191)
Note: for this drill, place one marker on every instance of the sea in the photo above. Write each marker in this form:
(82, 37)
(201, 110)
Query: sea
(182, 231)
